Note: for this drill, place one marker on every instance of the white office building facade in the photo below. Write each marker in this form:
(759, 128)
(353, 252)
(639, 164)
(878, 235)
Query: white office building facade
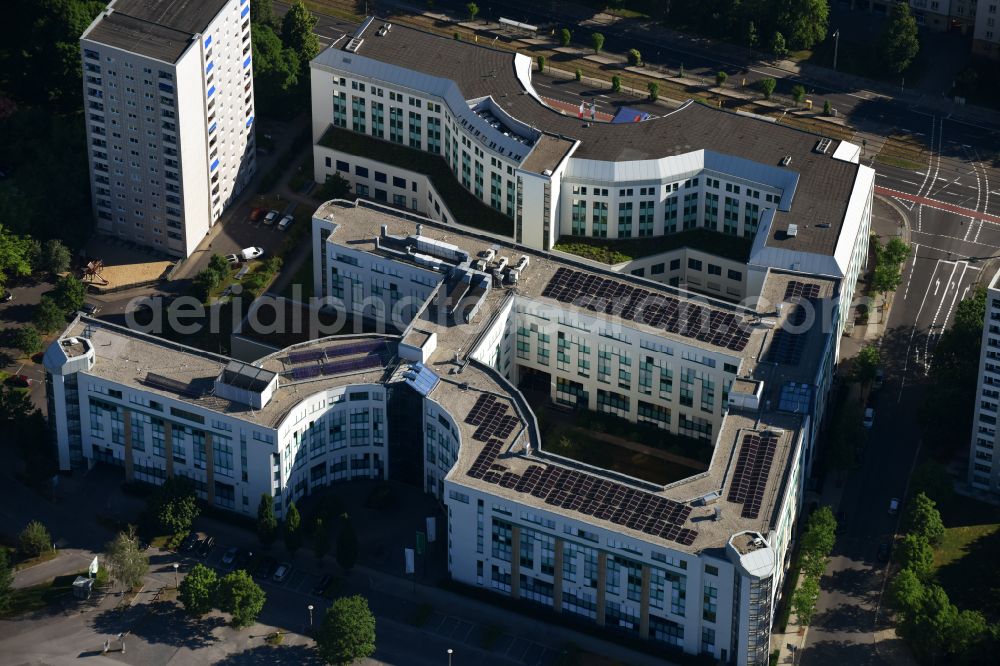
(984, 473)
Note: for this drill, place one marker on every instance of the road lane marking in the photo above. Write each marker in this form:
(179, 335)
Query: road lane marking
(930, 159)
(934, 336)
(913, 268)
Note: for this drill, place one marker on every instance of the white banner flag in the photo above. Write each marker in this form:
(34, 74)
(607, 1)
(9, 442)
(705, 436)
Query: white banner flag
(93, 567)
(408, 555)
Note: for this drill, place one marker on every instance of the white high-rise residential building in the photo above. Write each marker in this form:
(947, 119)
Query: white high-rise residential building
(168, 95)
(986, 33)
(984, 473)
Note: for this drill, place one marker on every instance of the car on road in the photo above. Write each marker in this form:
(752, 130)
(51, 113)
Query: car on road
(893, 506)
(229, 557)
(91, 309)
(282, 572)
(879, 379)
(20, 380)
(869, 418)
(320, 589)
(205, 547)
(189, 543)
(232, 259)
(271, 216)
(249, 253)
(255, 214)
(266, 568)
(883, 551)
(8, 296)
(286, 222)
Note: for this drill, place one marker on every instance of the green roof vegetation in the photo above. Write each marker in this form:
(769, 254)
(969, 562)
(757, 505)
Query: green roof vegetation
(615, 251)
(463, 205)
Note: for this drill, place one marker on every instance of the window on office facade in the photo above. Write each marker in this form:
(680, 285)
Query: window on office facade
(434, 135)
(496, 185)
(479, 180)
(156, 430)
(340, 109)
(751, 217)
(501, 540)
(395, 125)
(416, 136)
(358, 114)
(536, 590)
(710, 599)
(198, 448)
(466, 171)
(600, 219)
(378, 119)
(690, 219)
(646, 212)
(711, 220)
(579, 224)
(708, 640)
(511, 198)
(670, 215)
(625, 219)
(731, 216)
(582, 602)
(139, 422)
(222, 455)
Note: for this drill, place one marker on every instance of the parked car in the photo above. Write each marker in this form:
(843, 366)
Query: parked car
(249, 253)
(883, 551)
(255, 214)
(229, 557)
(232, 259)
(271, 216)
(893, 506)
(879, 379)
(19, 380)
(205, 547)
(91, 309)
(321, 586)
(869, 418)
(282, 572)
(286, 222)
(266, 567)
(8, 296)
(189, 543)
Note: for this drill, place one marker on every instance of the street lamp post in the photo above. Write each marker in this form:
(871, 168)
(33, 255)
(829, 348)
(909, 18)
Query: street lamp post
(310, 616)
(836, 47)
(176, 566)
(450, 651)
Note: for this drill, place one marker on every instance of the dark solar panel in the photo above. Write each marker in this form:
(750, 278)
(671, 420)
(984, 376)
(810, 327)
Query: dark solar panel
(299, 374)
(795, 289)
(351, 365)
(787, 345)
(362, 347)
(305, 356)
(612, 297)
(753, 464)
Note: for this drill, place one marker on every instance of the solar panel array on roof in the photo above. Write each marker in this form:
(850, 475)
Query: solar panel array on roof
(787, 345)
(491, 417)
(308, 372)
(421, 378)
(599, 294)
(589, 495)
(336, 351)
(796, 289)
(753, 463)
(305, 356)
(245, 376)
(352, 365)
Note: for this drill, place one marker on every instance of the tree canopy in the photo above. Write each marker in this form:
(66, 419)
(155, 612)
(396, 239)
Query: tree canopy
(866, 364)
(922, 518)
(15, 255)
(804, 21)
(267, 522)
(175, 504)
(293, 529)
(914, 553)
(899, 43)
(198, 590)
(348, 631)
(241, 597)
(297, 34)
(126, 564)
(34, 539)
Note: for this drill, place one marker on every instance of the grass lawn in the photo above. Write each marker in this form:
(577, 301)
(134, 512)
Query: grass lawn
(900, 162)
(37, 597)
(965, 562)
(619, 251)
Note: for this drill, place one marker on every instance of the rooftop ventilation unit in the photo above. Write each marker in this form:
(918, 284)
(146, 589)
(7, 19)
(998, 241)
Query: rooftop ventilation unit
(355, 44)
(785, 161)
(822, 146)
(792, 231)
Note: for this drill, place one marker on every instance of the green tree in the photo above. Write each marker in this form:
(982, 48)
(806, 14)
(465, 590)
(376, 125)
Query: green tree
(578, 74)
(335, 187)
(297, 34)
(751, 35)
(720, 78)
(895, 251)
(804, 599)
(262, 13)
(6, 580)
(267, 522)
(778, 47)
(126, 564)
(886, 279)
(204, 282)
(906, 591)
(15, 405)
(174, 505)
(597, 41)
(198, 590)
(55, 257)
(69, 293)
(923, 519)
(473, 10)
(804, 21)
(320, 540)
(48, 316)
(348, 631)
(616, 83)
(347, 544)
(928, 629)
(767, 87)
(293, 529)
(34, 540)
(565, 37)
(654, 90)
(827, 108)
(899, 43)
(15, 255)
(541, 63)
(28, 340)
(866, 365)
(276, 70)
(914, 553)
(634, 58)
(932, 479)
(820, 532)
(241, 597)
(798, 94)
(219, 265)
